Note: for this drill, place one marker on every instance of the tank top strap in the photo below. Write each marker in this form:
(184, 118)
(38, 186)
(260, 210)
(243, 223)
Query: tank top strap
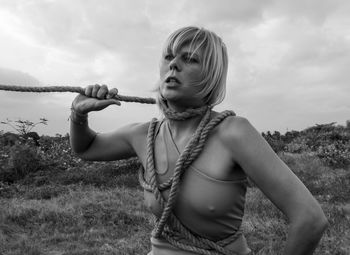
(158, 125)
(168, 156)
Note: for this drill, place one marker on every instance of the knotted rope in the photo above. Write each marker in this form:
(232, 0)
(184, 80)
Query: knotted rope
(72, 89)
(168, 226)
(174, 115)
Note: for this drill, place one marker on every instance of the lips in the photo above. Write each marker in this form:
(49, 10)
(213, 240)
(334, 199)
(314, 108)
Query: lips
(172, 79)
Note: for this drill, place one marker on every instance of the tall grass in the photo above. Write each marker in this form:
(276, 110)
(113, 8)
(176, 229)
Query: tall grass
(84, 220)
(97, 208)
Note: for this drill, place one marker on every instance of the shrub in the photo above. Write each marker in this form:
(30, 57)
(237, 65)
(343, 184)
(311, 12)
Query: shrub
(23, 127)
(57, 150)
(297, 145)
(111, 174)
(336, 154)
(21, 160)
(274, 140)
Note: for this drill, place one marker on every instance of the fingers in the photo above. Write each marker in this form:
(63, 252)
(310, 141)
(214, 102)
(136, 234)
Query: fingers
(96, 98)
(88, 91)
(112, 93)
(95, 89)
(100, 91)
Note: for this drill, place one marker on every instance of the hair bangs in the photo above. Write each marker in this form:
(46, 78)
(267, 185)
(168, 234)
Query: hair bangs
(183, 37)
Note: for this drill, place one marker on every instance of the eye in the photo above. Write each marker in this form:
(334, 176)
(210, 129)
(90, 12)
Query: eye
(168, 57)
(189, 58)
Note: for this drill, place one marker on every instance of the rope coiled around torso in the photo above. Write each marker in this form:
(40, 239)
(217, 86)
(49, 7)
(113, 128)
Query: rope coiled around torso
(168, 226)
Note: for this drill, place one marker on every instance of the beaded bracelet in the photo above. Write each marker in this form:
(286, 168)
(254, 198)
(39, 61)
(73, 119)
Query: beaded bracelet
(78, 118)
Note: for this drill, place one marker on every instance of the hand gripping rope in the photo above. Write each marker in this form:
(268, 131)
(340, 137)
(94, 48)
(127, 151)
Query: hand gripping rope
(72, 89)
(167, 226)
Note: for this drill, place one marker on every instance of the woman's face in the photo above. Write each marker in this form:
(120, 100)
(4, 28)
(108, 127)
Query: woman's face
(179, 72)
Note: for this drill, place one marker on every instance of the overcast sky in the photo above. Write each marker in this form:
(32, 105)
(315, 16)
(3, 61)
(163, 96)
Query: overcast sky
(289, 60)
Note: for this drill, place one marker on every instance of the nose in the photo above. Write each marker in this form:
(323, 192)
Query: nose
(174, 65)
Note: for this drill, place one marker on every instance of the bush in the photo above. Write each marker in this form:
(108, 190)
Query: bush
(328, 142)
(336, 154)
(107, 174)
(57, 150)
(297, 145)
(21, 160)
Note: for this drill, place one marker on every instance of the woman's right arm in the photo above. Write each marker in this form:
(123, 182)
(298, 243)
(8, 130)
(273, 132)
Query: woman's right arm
(89, 145)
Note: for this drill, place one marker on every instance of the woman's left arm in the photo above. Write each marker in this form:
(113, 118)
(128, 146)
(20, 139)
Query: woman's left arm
(307, 221)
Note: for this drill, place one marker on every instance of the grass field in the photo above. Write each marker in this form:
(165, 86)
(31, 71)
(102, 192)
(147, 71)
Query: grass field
(97, 208)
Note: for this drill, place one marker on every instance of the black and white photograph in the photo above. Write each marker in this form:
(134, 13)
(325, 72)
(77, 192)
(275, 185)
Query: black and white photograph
(188, 127)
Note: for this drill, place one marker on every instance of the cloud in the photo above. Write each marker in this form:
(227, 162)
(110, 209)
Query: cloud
(314, 11)
(228, 12)
(288, 59)
(9, 76)
(31, 106)
(88, 41)
(292, 67)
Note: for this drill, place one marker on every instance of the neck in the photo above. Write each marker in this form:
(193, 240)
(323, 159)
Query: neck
(179, 106)
(180, 127)
(176, 107)
(182, 120)
(175, 112)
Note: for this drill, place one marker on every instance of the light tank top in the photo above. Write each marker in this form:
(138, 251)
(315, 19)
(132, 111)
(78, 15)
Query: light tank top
(208, 207)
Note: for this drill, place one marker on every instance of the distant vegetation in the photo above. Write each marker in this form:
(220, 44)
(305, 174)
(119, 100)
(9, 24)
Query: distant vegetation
(23, 127)
(329, 142)
(51, 202)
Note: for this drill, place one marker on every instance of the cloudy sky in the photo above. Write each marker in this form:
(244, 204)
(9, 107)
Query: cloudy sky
(289, 60)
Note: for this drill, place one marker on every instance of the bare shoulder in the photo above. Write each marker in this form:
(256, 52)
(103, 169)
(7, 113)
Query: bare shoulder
(136, 128)
(240, 137)
(129, 135)
(134, 132)
(124, 142)
(235, 128)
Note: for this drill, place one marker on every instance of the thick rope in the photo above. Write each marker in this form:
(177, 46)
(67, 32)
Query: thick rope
(174, 115)
(72, 89)
(168, 226)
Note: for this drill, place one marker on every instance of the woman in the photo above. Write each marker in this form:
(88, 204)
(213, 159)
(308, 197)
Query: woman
(196, 161)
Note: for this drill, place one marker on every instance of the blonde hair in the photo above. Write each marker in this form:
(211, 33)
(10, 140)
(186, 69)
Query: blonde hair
(214, 60)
